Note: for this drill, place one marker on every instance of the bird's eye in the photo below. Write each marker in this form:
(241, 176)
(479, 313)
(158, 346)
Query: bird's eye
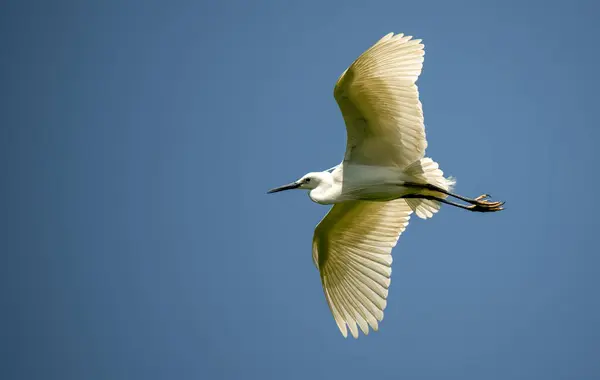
(307, 180)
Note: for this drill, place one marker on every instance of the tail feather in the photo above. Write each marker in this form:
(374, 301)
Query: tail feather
(424, 208)
(428, 171)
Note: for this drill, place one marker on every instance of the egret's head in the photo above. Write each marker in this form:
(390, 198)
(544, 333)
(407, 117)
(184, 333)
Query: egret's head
(308, 182)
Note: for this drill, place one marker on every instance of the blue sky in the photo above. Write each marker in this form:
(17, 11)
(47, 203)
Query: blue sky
(138, 139)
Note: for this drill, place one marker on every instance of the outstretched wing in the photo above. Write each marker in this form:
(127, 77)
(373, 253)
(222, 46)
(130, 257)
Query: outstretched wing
(380, 104)
(352, 249)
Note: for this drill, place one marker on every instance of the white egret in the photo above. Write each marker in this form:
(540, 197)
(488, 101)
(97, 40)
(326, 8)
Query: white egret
(383, 178)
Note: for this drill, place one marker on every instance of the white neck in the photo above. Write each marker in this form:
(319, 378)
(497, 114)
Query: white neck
(327, 191)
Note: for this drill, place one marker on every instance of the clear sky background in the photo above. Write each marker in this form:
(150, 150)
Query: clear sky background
(138, 139)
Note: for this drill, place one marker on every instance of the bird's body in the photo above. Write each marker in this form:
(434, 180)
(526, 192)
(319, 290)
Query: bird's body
(383, 178)
(353, 182)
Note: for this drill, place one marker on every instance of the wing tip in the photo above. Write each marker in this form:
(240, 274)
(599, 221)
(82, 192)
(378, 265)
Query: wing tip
(344, 330)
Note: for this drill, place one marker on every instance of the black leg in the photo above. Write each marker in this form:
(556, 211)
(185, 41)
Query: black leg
(479, 202)
(484, 207)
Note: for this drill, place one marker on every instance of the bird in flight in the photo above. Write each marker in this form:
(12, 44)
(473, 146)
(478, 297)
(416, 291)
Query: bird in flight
(383, 178)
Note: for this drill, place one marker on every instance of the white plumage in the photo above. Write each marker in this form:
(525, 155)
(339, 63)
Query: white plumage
(380, 104)
(382, 180)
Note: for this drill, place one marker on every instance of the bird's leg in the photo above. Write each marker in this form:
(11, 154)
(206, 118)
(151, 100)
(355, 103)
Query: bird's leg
(480, 203)
(491, 207)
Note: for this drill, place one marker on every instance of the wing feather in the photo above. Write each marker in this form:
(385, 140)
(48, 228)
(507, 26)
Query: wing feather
(380, 104)
(352, 249)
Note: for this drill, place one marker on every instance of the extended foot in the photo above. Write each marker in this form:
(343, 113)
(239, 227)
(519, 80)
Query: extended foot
(481, 204)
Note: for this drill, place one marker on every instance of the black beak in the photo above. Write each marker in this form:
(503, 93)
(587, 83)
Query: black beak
(289, 186)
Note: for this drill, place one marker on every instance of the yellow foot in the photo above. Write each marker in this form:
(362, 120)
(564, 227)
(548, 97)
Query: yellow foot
(481, 197)
(482, 205)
